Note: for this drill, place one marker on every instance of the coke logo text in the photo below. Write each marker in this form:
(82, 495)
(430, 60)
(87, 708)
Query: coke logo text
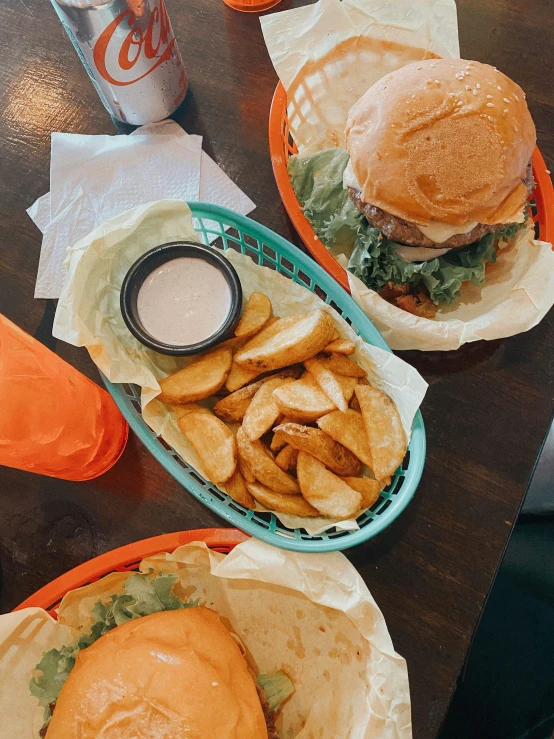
(136, 42)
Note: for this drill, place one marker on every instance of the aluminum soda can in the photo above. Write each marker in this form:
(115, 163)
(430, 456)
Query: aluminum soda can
(130, 53)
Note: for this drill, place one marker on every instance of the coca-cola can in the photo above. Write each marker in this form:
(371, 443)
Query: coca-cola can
(130, 53)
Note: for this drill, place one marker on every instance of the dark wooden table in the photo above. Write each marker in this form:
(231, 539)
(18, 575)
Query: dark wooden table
(487, 408)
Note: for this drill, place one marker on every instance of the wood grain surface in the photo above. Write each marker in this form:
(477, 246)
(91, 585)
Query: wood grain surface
(487, 408)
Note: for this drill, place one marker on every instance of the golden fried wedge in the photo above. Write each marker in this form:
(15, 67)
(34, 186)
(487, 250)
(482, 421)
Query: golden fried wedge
(326, 492)
(233, 407)
(349, 430)
(302, 401)
(245, 470)
(277, 442)
(263, 467)
(236, 489)
(262, 412)
(348, 385)
(198, 380)
(320, 445)
(293, 505)
(385, 434)
(286, 459)
(292, 342)
(255, 315)
(239, 377)
(182, 410)
(327, 382)
(369, 489)
(341, 365)
(340, 346)
(234, 343)
(214, 443)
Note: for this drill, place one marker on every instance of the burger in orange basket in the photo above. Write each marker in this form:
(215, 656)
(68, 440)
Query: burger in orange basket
(433, 185)
(152, 666)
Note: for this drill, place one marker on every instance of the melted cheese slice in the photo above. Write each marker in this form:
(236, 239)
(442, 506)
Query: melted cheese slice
(349, 178)
(418, 253)
(435, 230)
(439, 232)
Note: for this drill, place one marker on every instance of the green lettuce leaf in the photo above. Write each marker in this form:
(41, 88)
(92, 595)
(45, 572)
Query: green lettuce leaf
(317, 182)
(277, 688)
(143, 594)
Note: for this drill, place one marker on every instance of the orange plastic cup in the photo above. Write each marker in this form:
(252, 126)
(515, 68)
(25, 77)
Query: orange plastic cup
(53, 420)
(251, 6)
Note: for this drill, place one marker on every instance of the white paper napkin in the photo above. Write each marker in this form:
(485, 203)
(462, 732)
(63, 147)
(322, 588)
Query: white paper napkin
(94, 178)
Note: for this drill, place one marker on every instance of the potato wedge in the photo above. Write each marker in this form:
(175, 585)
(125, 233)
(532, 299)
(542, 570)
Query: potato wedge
(278, 442)
(198, 380)
(387, 440)
(293, 505)
(302, 401)
(320, 445)
(326, 492)
(342, 365)
(234, 343)
(327, 382)
(245, 470)
(349, 430)
(369, 489)
(236, 489)
(348, 385)
(233, 407)
(255, 315)
(213, 442)
(263, 467)
(292, 342)
(182, 410)
(239, 377)
(286, 459)
(262, 412)
(340, 346)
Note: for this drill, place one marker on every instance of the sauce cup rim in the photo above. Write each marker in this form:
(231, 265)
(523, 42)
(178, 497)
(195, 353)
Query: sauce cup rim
(152, 259)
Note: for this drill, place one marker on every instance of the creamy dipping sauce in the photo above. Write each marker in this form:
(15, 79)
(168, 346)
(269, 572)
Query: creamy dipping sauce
(184, 301)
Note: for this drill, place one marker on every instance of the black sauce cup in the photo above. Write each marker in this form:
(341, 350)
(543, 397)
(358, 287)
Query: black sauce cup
(151, 261)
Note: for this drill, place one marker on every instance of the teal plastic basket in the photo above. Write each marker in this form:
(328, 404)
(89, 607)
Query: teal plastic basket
(228, 230)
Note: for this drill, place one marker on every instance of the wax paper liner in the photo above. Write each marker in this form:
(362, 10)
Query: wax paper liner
(88, 315)
(329, 53)
(516, 295)
(308, 614)
(326, 56)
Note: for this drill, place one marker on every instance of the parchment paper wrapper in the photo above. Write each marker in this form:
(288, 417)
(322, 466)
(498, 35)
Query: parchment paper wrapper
(88, 315)
(327, 55)
(310, 615)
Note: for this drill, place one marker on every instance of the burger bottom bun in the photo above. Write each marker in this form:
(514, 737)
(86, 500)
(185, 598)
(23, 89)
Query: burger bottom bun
(168, 675)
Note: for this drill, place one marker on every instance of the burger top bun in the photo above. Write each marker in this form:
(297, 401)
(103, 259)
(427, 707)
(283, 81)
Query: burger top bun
(443, 140)
(171, 674)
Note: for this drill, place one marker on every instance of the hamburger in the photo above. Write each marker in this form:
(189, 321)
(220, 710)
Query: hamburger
(438, 168)
(170, 673)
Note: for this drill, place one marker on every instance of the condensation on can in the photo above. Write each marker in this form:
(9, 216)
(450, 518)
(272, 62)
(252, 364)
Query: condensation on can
(130, 54)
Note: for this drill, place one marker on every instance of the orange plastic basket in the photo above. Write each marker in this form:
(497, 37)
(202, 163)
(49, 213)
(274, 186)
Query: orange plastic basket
(127, 559)
(281, 146)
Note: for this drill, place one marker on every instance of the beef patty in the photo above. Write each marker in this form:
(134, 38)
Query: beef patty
(397, 229)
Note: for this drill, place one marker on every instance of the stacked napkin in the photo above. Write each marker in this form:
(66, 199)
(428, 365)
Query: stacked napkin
(94, 178)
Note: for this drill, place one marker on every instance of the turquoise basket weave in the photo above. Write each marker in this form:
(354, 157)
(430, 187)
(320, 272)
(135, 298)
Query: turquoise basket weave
(228, 230)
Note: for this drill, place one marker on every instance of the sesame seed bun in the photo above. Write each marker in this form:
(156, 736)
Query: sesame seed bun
(167, 675)
(443, 140)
